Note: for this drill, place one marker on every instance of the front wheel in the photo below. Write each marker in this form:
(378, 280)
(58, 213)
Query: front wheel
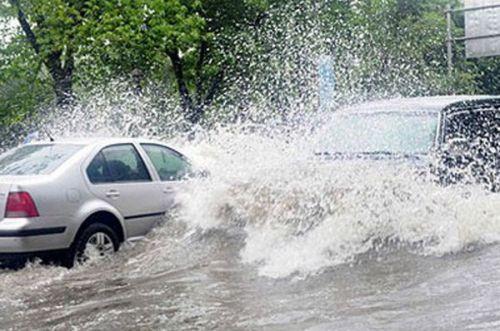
(95, 242)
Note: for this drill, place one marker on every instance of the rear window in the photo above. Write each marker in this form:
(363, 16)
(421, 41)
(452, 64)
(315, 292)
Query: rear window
(32, 160)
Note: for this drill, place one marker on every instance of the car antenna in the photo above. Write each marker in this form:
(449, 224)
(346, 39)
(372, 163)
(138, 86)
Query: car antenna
(47, 132)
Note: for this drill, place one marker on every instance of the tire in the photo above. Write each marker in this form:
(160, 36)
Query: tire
(87, 237)
(14, 264)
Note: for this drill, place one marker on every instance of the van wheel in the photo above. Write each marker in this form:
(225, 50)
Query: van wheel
(97, 241)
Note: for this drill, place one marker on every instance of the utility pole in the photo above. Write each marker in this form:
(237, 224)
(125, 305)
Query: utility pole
(449, 40)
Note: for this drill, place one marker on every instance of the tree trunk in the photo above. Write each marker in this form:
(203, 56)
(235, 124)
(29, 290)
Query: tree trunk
(137, 76)
(207, 99)
(199, 71)
(62, 75)
(64, 90)
(195, 109)
(186, 102)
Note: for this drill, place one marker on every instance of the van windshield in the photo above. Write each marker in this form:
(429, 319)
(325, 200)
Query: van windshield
(30, 160)
(394, 133)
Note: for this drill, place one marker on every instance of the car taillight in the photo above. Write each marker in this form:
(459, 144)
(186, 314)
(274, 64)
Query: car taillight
(20, 204)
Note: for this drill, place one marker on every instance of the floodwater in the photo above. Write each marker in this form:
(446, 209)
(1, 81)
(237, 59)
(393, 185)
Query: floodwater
(181, 285)
(276, 240)
(205, 286)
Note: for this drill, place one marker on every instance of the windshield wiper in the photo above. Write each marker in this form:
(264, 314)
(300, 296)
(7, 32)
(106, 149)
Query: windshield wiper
(375, 153)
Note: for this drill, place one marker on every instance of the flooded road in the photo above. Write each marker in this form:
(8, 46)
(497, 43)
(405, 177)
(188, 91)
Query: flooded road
(178, 285)
(278, 239)
(275, 240)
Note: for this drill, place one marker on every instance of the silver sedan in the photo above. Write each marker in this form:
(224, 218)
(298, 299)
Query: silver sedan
(75, 199)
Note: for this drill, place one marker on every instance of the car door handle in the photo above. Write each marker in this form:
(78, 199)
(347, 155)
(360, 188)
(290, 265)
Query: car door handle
(113, 194)
(168, 190)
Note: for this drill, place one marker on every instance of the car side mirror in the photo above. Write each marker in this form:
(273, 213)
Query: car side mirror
(198, 174)
(203, 173)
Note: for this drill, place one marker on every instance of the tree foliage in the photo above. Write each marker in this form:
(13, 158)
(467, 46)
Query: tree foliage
(196, 49)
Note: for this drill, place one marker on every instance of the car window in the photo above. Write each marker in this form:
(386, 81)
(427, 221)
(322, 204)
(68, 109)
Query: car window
(118, 163)
(169, 164)
(471, 125)
(32, 160)
(471, 144)
(98, 171)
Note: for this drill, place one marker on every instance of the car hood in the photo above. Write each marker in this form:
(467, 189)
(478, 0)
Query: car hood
(416, 160)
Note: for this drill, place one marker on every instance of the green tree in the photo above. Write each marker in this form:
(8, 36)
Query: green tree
(50, 27)
(23, 83)
(173, 40)
(23, 86)
(250, 51)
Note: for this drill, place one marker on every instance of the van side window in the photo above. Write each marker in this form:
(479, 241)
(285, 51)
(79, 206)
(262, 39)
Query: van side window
(169, 164)
(118, 163)
(471, 146)
(472, 125)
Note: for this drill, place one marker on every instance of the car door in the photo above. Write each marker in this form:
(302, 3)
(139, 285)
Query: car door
(119, 175)
(171, 168)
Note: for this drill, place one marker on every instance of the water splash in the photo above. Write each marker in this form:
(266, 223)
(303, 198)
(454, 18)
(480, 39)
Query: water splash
(298, 214)
(301, 214)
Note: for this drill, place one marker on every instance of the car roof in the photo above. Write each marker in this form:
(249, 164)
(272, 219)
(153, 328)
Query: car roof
(418, 104)
(96, 141)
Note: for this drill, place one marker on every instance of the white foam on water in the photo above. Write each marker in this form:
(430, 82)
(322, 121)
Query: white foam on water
(301, 214)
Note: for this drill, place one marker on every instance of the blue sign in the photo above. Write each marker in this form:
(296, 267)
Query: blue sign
(31, 137)
(326, 77)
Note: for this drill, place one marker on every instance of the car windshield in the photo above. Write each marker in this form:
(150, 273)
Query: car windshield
(32, 160)
(392, 133)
